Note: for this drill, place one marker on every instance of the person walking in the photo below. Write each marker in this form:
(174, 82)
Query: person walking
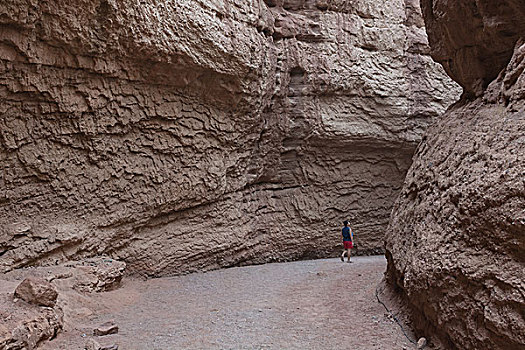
(348, 241)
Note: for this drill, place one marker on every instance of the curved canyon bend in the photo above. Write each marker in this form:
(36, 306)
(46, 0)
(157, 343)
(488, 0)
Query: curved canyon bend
(151, 152)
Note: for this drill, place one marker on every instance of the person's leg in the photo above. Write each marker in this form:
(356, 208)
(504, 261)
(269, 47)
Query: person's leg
(343, 256)
(348, 254)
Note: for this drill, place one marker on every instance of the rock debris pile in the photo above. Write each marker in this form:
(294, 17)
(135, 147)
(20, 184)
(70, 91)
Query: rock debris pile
(47, 299)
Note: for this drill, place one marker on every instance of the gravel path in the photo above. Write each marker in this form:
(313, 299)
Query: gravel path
(316, 304)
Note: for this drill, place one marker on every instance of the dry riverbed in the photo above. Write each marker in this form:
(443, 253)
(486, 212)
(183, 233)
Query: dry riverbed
(316, 304)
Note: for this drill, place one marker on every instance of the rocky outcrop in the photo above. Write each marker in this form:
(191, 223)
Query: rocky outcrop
(456, 241)
(49, 299)
(25, 325)
(473, 52)
(195, 134)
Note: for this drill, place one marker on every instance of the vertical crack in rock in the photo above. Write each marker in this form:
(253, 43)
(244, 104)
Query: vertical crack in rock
(192, 135)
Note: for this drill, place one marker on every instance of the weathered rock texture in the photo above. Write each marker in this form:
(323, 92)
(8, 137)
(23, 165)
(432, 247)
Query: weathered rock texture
(456, 242)
(181, 135)
(49, 299)
(37, 291)
(473, 51)
(25, 325)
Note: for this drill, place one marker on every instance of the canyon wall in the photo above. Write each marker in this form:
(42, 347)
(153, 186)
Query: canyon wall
(456, 242)
(188, 135)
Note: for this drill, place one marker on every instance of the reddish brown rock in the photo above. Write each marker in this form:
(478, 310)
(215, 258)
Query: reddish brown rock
(105, 329)
(201, 134)
(94, 345)
(456, 242)
(475, 40)
(37, 291)
(97, 274)
(25, 326)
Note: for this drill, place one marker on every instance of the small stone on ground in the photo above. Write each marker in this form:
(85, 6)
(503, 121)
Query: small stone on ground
(105, 329)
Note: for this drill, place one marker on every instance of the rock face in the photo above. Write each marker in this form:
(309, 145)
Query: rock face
(473, 52)
(456, 242)
(197, 134)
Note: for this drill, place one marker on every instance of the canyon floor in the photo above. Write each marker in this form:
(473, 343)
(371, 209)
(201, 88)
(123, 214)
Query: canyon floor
(314, 304)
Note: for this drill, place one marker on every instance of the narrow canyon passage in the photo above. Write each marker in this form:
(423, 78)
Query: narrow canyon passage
(314, 304)
(170, 138)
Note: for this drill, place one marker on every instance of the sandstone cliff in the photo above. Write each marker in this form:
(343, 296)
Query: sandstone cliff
(456, 242)
(184, 135)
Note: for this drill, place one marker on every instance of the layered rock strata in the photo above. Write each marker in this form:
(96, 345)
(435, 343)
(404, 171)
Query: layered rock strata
(195, 134)
(456, 242)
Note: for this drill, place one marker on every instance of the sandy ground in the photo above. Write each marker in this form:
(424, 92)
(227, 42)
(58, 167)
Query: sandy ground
(316, 304)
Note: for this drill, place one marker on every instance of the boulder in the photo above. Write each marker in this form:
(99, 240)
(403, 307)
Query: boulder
(37, 291)
(97, 274)
(25, 326)
(94, 345)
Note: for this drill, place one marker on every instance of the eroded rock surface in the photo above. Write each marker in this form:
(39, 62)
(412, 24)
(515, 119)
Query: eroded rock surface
(25, 325)
(473, 51)
(37, 291)
(456, 242)
(188, 135)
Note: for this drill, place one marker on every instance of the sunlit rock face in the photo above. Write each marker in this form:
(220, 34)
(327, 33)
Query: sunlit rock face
(188, 135)
(456, 241)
